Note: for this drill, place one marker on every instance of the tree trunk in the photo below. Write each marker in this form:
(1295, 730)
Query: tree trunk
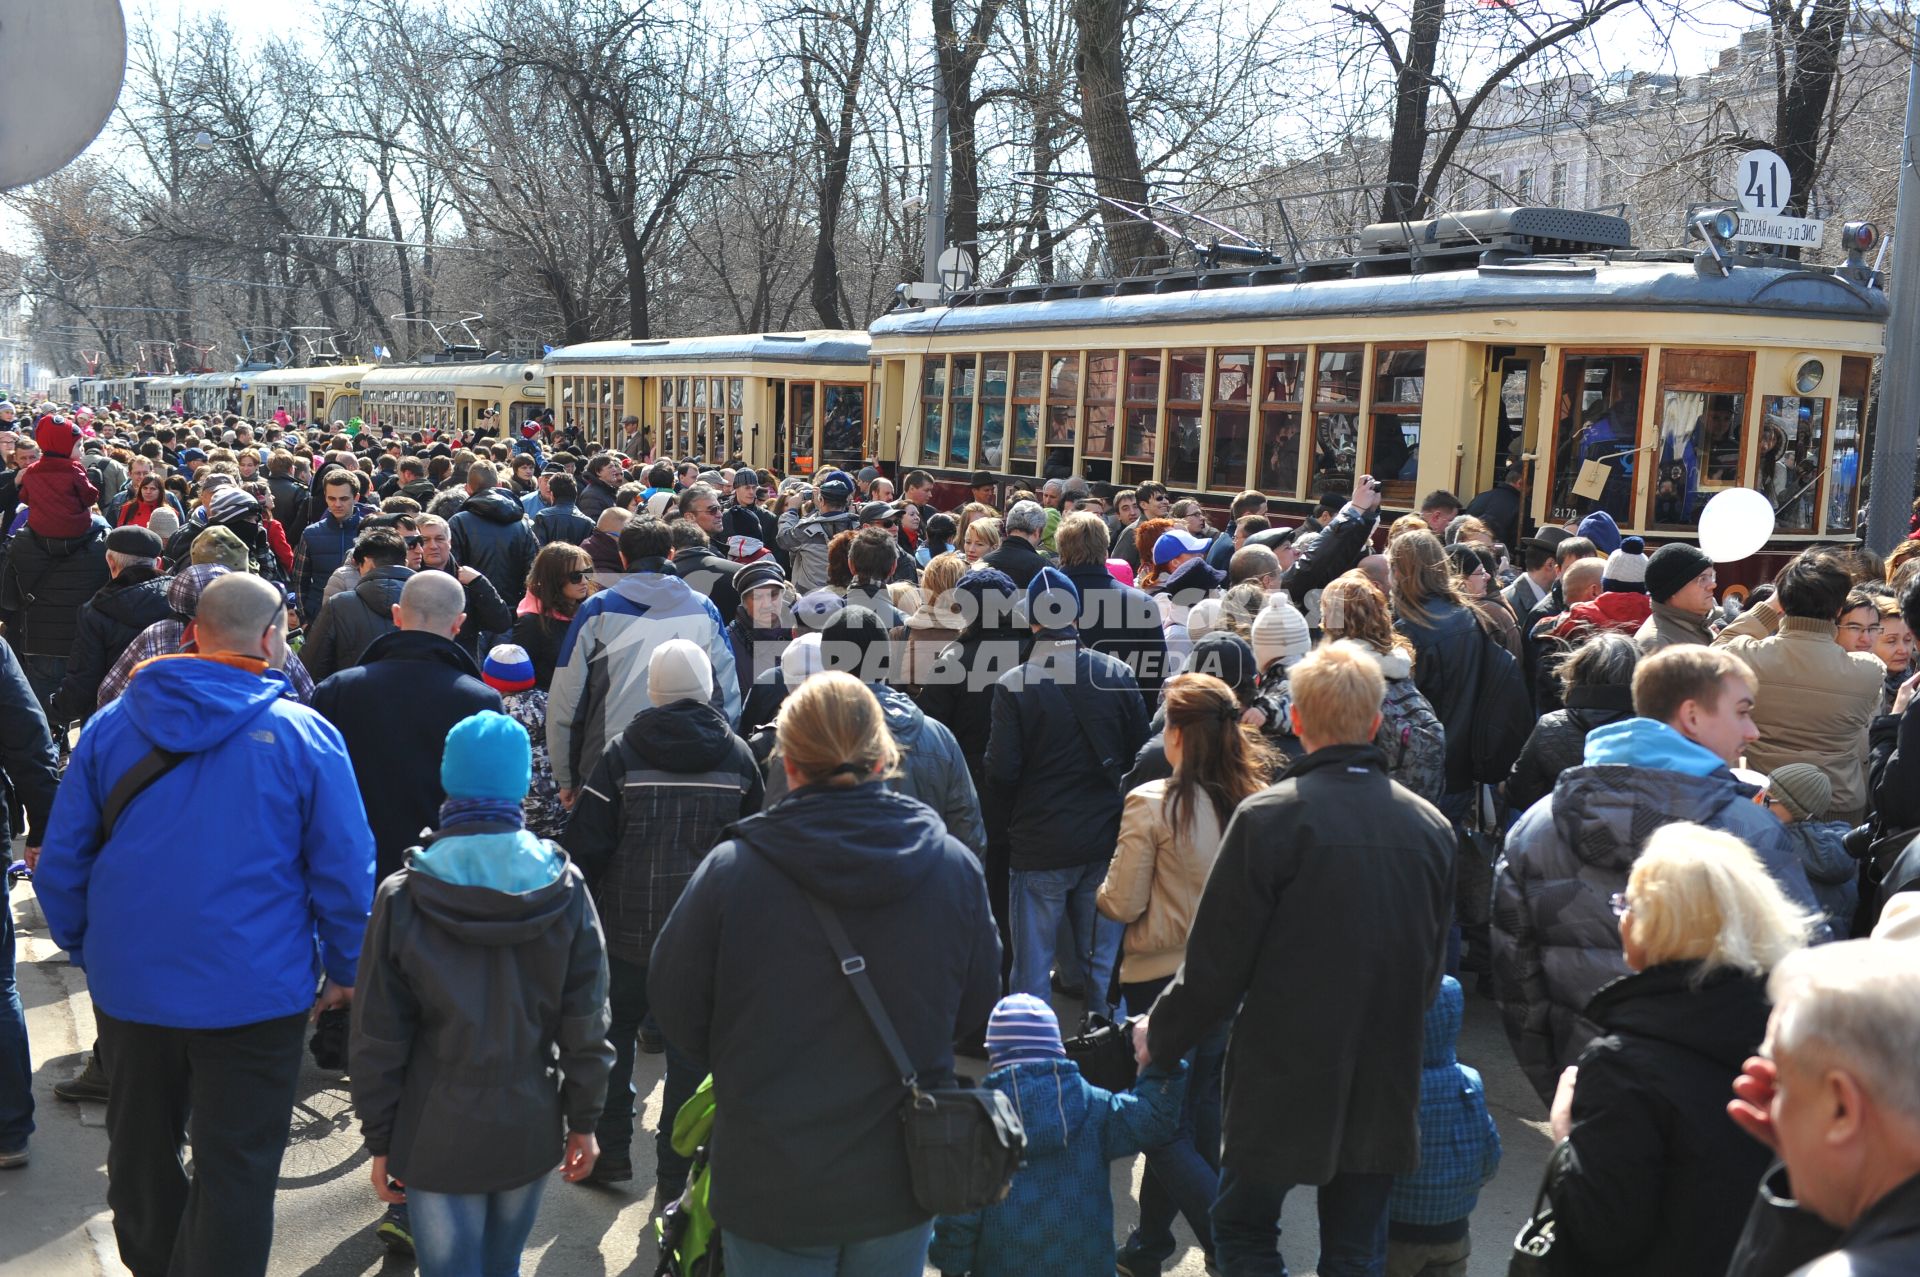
(958, 55)
(1406, 154)
(1801, 111)
(825, 282)
(1133, 245)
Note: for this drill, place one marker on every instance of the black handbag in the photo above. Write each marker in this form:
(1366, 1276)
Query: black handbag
(1533, 1244)
(963, 1143)
(1104, 1052)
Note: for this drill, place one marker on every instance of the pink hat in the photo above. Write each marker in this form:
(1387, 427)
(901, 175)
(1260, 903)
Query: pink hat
(1120, 570)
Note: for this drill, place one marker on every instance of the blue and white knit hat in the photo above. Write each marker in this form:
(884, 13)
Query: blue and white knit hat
(1022, 1030)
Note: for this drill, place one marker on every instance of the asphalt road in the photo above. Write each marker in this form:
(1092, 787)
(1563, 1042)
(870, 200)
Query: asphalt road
(56, 1224)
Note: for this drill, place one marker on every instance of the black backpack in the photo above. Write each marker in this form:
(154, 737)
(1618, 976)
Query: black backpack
(1502, 712)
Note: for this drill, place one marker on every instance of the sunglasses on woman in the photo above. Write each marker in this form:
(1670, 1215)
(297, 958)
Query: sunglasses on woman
(581, 577)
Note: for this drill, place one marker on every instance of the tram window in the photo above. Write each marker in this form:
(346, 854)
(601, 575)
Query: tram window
(699, 392)
(1849, 443)
(1336, 421)
(1231, 424)
(1793, 437)
(1063, 399)
(1393, 455)
(1029, 383)
(1703, 403)
(966, 372)
(843, 419)
(1597, 420)
(932, 415)
(993, 411)
(1103, 376)
(1143, 406)
(1281, 380)
(800, 418)
(1186, 395)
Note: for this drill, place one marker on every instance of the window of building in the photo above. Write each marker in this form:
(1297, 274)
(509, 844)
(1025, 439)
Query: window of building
(1523, 186)
(1557, 186)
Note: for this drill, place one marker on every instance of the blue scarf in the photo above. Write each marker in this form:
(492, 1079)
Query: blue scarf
(468, 811)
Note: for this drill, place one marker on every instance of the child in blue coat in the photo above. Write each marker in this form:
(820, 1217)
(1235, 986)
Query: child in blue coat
(1058, 1217)
(1459, 1152)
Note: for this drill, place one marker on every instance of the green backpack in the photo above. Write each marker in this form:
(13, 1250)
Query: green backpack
(689, 1241)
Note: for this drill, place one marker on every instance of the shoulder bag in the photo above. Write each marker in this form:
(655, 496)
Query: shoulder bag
(1533, 1245)
(963, 1142)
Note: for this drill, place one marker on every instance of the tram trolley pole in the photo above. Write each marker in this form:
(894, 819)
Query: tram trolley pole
(1897, 433)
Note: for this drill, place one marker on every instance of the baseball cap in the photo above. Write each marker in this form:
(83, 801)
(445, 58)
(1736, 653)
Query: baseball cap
(876, 512)
(1174, 543)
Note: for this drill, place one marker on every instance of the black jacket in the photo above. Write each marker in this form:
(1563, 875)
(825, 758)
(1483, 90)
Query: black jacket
(479, 1029)
(43, 584)
(596, 498)
(656, 803)
(1657, 1179)
(1018, 558)
(1559, 740)
(29, 767)
(426, 684)
(809, 1150)
(1061, 738)
(351, 620)
(1499, 508)
(487, 612)
(1332, 926)
(1782, 1239)
(421, 490)
(108, 621)
(492, 533)
(1123, 623)
(754, 521)
(960, 693)
(561, 523)
(710, 573)
(1338, 548)
(1446, 670)
(541, 637)
(290, 500)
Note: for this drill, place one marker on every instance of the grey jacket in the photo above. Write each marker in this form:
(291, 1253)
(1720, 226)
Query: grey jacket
(1555, 938)
(805, 541)
(352, 619)
(479, 1029)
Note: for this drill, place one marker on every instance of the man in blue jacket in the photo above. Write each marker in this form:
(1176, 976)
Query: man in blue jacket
(203, 961)
(326, 542)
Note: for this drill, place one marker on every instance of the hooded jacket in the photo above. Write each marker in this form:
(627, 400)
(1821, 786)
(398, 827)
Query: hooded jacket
(107, 623)
(806, 1149)
(1558, 741)
(1327, 931)
(805, 543)
(1555, 939)
(1123, 623)
(1410, 738)
(1459, 1143)
(660, 797)
(711, 573)
(600, 680)
(280, 858)
(56, 488)
(493, 535)
(426, 682)
(1623, 610)
(1655, 1179)
(560, 522)
(597, 497)
(1446, 669)
(352, 619)
(1058, 1216)
(43, 583)
(480, 1024)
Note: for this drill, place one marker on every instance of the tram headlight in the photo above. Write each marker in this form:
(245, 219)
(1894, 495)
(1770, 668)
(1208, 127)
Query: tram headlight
(1859, 237)
(1717, 226)
(1808, 372)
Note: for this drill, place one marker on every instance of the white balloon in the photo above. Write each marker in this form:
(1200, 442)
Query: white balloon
(1735, 524)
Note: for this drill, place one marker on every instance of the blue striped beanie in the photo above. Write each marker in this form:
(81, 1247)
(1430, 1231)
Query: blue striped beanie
(1022, 1030)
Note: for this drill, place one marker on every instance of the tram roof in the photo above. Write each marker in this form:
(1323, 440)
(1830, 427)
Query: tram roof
(1574, 283)
(818, 346)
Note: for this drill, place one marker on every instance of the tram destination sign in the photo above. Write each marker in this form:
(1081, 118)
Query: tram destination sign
(1794, 232)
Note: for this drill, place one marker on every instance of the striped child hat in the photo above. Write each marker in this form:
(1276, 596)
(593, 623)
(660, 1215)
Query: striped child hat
(508, 669)
(1022, 1030)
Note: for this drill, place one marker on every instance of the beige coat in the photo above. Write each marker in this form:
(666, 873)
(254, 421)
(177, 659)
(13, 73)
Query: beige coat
(919, 642)
(1155, 880)
(1670, 627)
(1814, 701)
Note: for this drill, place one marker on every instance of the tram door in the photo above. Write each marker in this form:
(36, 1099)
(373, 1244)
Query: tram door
(1510, 422)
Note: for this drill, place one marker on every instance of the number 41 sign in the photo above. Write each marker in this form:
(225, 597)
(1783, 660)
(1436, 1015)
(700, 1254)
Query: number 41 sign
(1765, 186)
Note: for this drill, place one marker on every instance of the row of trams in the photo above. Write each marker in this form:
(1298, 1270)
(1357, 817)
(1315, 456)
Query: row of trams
(1441, 354)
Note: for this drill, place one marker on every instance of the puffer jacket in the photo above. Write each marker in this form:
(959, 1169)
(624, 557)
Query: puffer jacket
(1058, 1215)
(1459, 1143)
(1155, 880)
(657, 801)
(480, 1022)
(323, 547)
(1559, 739)
(492, 535)
(1655, 1179)
(1555, 939)
(560, 523)
(1446, 669)
(353, 619)
(43, 584)
(805, 543)
(932, 768)
(107, 623)
(1410, 736)
(1833, 874)
(1814, 702)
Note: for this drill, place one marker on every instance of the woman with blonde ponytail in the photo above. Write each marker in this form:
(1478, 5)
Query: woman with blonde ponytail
(809, 1168)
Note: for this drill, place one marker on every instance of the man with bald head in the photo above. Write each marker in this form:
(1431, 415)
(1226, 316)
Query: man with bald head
(399, 703)
(202, 962)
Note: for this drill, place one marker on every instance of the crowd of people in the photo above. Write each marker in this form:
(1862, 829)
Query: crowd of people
(477, 766)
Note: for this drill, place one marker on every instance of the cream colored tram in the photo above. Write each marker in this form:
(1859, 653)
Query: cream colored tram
(1639, 383)
(452, 396)
(322, 394)
(791, 402)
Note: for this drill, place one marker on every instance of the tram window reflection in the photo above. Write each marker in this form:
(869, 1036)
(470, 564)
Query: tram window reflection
(1849, 436)
(932, 412)
(1793, 435)
(1394, 452)
(1703, 406)
(1597, 420)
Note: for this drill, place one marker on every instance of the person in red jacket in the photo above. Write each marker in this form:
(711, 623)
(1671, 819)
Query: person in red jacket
(58, 493)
